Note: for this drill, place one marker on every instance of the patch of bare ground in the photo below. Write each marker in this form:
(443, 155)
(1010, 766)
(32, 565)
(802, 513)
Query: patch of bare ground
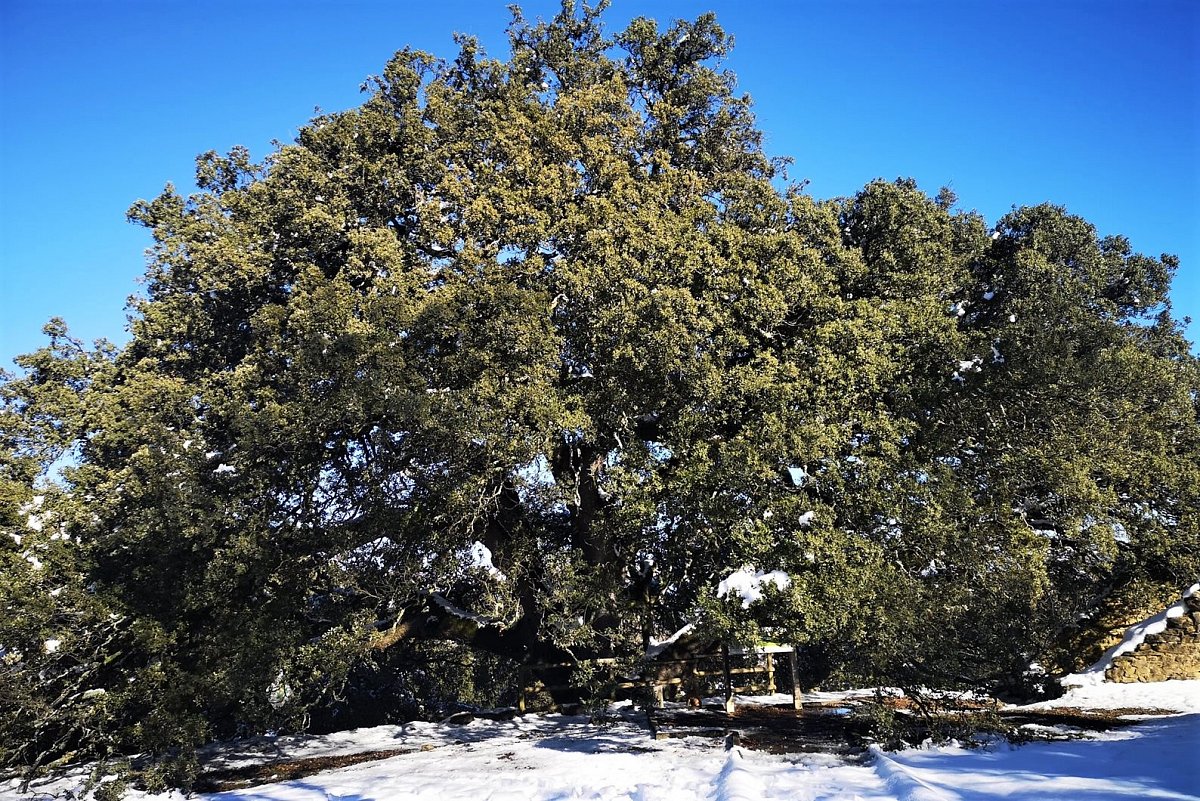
(218, 781)
(828, 730)
(839, 730)
(1088, 719)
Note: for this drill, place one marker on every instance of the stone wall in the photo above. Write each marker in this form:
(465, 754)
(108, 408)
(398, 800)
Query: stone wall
(1126, 607)
(1173, 653)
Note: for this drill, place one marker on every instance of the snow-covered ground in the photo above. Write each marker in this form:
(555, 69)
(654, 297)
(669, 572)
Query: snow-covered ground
(555, 758)
(1174, 696)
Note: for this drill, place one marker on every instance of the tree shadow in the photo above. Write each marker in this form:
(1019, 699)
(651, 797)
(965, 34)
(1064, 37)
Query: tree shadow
(1157, 760)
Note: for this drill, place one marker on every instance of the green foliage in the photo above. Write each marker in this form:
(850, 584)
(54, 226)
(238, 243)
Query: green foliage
(557, 308)
(109, 782)
(929, 717)
(176, 770)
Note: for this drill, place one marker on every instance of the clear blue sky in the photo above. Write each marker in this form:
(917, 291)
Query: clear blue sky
(1093, 105)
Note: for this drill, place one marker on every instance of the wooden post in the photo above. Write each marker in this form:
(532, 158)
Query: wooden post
(797, 694)
(729, 704)
(523, 679)
(770, 673)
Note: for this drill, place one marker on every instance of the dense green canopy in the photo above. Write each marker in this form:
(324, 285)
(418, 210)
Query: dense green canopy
(559, 309)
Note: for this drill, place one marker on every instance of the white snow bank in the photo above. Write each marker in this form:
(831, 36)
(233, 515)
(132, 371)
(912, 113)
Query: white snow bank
(749, 584)
(904, 782)
(737, 782)
(1175, 696)
(1134, 636)
(532, 758)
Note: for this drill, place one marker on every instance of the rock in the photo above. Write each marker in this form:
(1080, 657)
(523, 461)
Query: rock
(503, 713)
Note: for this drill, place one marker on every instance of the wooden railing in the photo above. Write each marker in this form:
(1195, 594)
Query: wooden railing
(763, 665)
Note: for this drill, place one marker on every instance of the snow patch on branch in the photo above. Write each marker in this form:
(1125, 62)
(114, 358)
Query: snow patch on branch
(658, 646)
(459, 612)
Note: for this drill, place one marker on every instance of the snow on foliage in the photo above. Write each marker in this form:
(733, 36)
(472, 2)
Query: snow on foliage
(970, 365)
(481, 557)
(750, 584)
(279, 693)
(33, 521)
(798, 475)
